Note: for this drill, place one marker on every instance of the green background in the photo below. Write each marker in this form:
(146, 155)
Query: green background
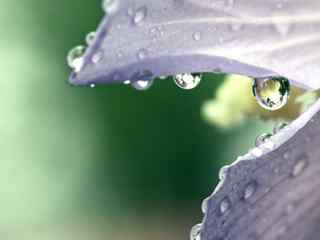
(82, 163)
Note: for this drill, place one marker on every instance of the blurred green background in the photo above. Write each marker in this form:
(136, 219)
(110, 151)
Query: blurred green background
(82, 163)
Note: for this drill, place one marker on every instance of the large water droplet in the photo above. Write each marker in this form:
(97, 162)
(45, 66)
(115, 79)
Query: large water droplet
(271, 93)
(188, 81)
(140, 15)
(262, 139)
(225, 205)
(90, 37)
(195, 232)
(142, 84)
(75, 58)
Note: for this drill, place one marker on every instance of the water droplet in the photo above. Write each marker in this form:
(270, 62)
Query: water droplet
(92, 85)
(142, 84)
(290, 208)
(127, 82)
(223, 172)
(90, 37)
(279, 126)
(120, 54)
(142, 54)
(269, 145)
(75, 58)
(140, 15)
(204, 205)
(187, 81)
(110, 6)
(97, 57)
(236, 26)
(299, 167)
(257, 152)
(271, 93)
(130, 11)
(196, 36)
(249, 190)
(195, 232)
(225, 205)
(262, 139)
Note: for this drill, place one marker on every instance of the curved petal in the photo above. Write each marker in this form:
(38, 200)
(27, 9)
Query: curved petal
(141, 39)
(272, 196)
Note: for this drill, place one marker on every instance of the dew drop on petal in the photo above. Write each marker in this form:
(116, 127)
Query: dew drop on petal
(187, 81)
(90, 37)
(140, 14)
(195, 232)
(271, 93)
(299, 167)
(142, 84)
(249, 190)
(225, 205)
(262, 139)
(75, 58)
(196, 36)
(279, 126)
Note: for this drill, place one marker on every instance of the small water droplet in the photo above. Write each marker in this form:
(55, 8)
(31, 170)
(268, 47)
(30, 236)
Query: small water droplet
(127, 82)
(92, 85)
(236, 26)
(269, 145)
(140, 15)
(195, 232)
(223, 172)
(110, 6)
(97, 57)
(286, 155)
(142, 84)
(262, 139)
(204, 205)
(120, 54)
(130, 11)
(299, 167)
(271, 93)
(187, 81)
(257, 152)
(290, 208)
(196, 36)
(90, 37)
(279, 126)
(75, 58)
(249, 190)
(142, 54)
(225, 205)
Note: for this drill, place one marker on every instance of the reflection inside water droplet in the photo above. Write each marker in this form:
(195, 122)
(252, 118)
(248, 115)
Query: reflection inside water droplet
(142, 84)
(271, 93)
(188, 81)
